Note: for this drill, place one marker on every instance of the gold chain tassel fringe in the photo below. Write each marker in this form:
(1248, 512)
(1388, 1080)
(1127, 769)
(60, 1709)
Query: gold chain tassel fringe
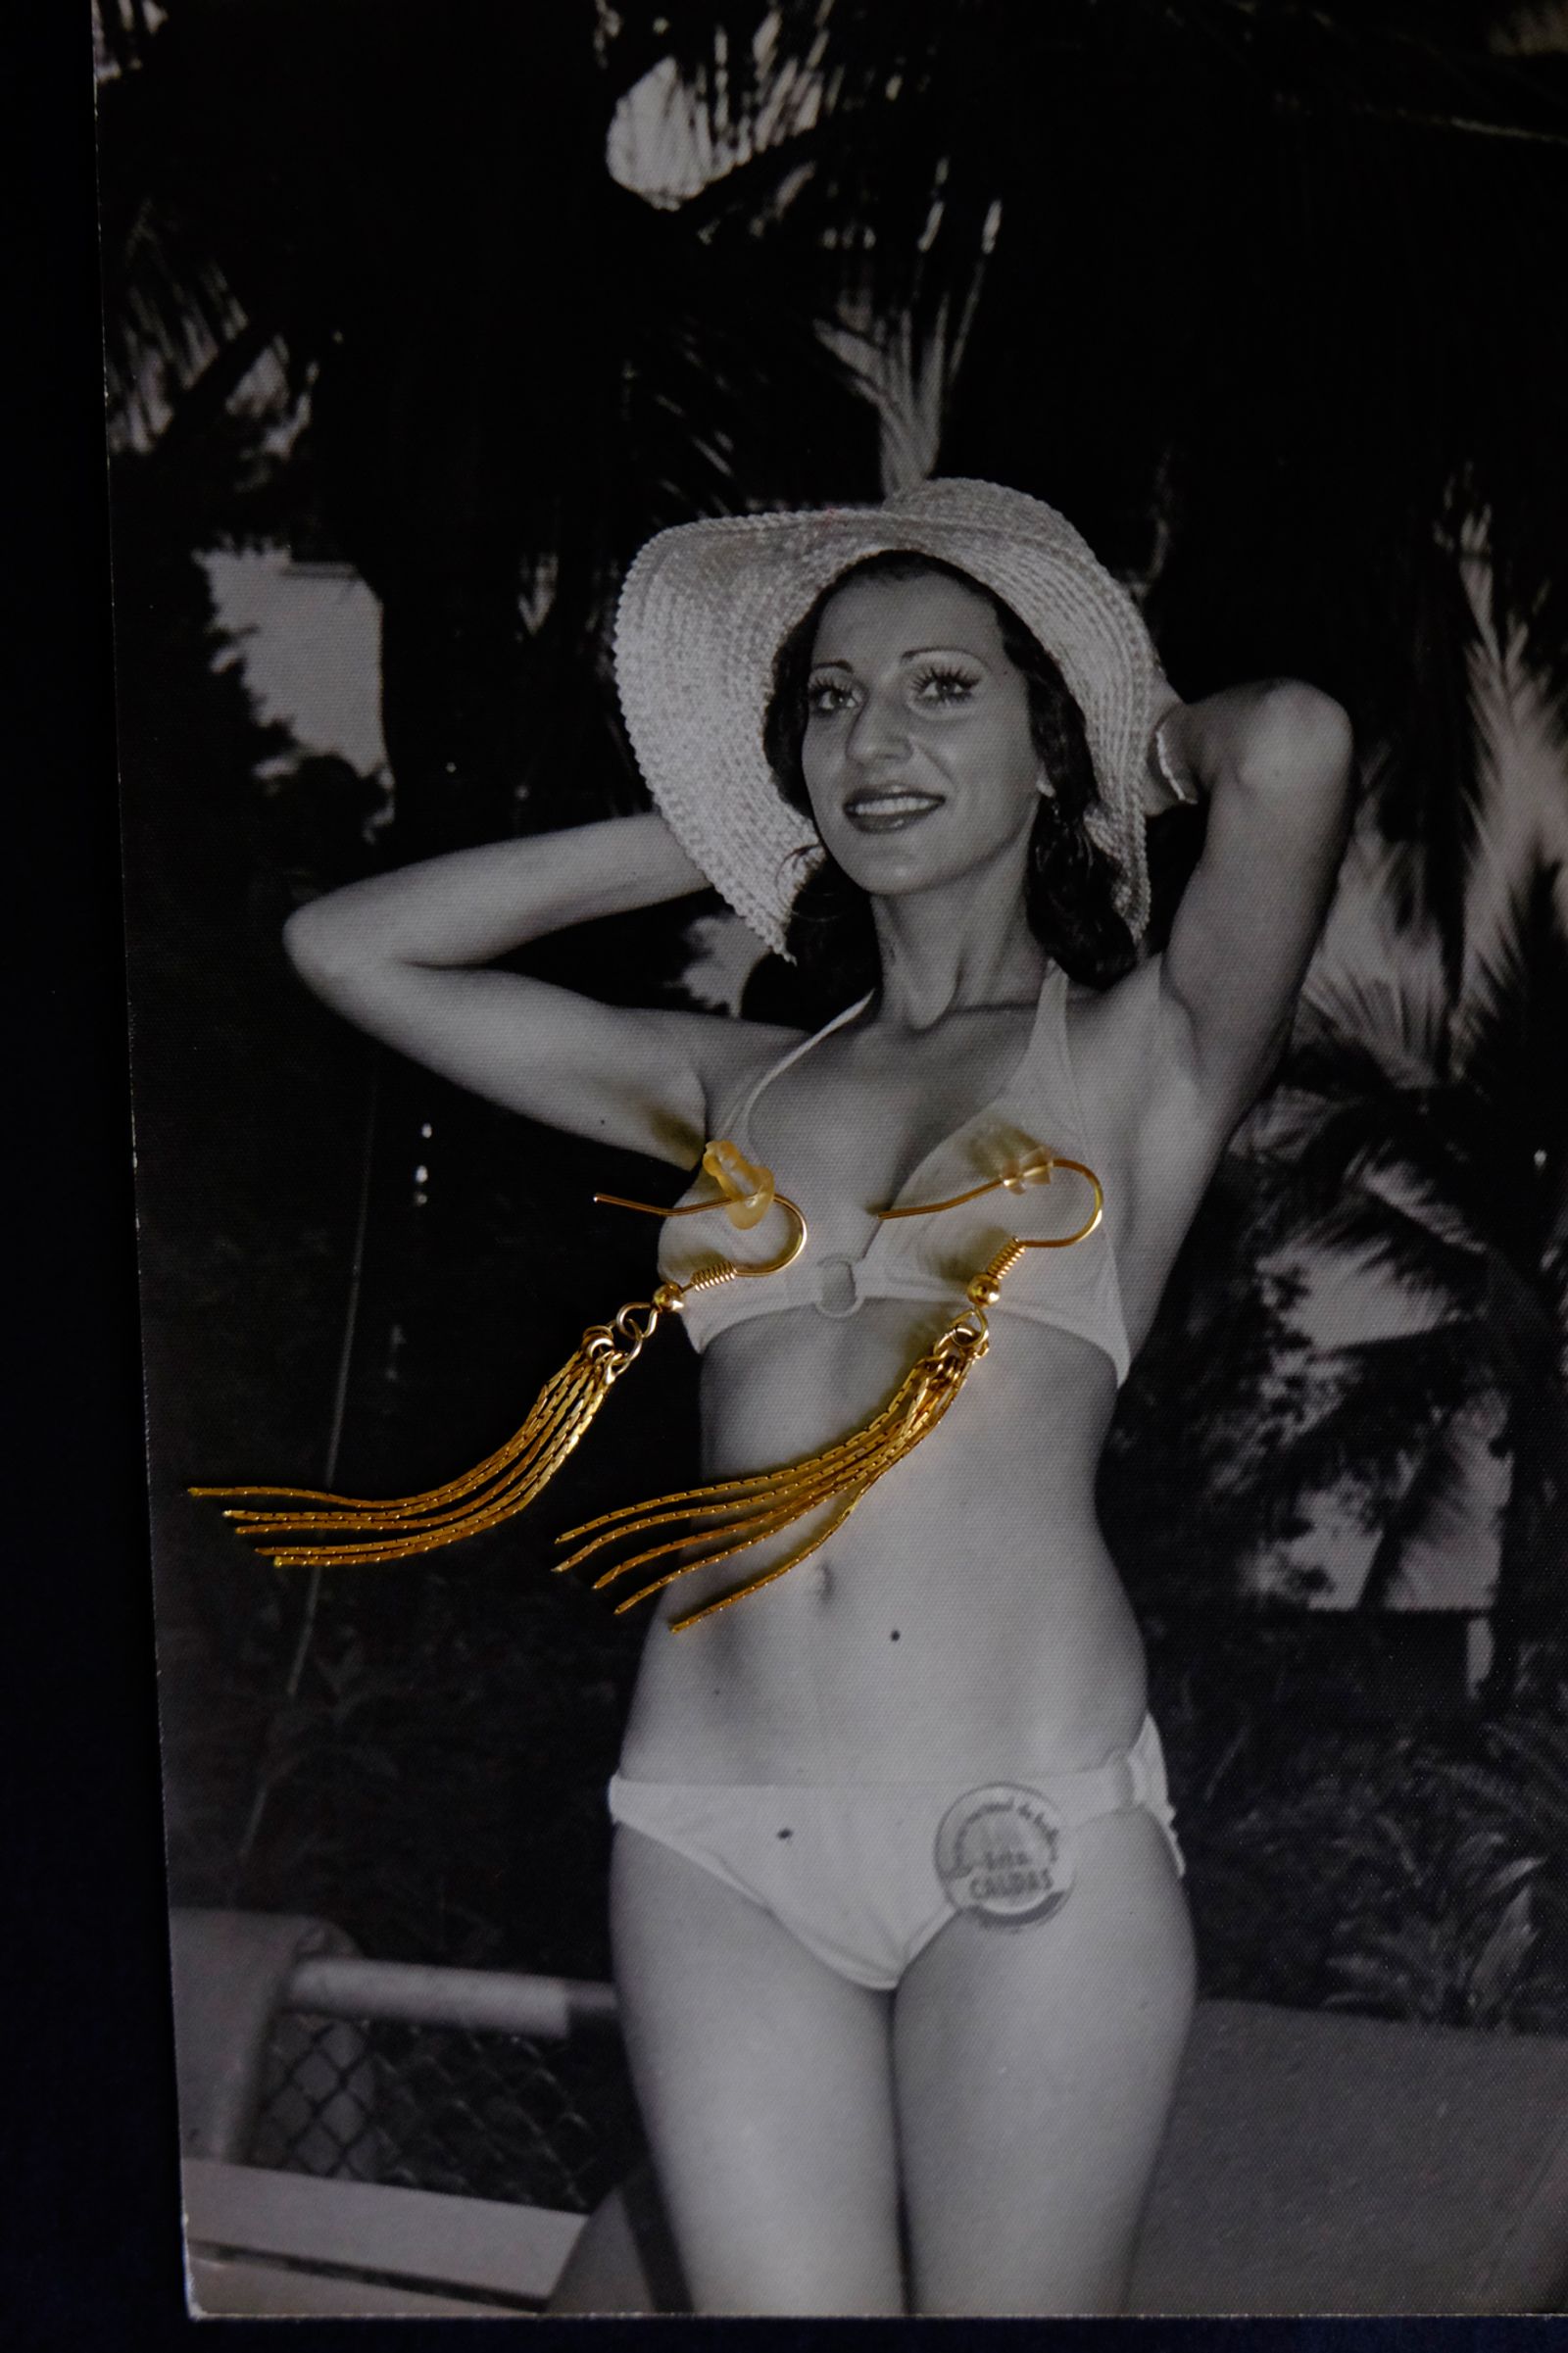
(359, 1529)
(353, 1529)
(752, 1509)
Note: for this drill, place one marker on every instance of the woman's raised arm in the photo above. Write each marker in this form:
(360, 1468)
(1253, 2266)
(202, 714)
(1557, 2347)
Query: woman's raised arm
(401, 956)
(1274, 763)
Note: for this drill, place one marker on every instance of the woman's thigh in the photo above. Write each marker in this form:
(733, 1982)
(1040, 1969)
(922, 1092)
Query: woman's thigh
(1034, 2069)
(765, 2082)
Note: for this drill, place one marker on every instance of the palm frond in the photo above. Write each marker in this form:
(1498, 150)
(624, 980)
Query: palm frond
(1390, 1404)
(1422, 1242)
(1427, 1508)
(169, 312)
(1388, 1149)
(123, 31)
(1393, 1018)
(409, 199)
(1514, 1020)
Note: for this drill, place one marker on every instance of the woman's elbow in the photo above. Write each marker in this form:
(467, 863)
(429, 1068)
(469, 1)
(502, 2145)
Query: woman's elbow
(1298, 737)
(320, 946)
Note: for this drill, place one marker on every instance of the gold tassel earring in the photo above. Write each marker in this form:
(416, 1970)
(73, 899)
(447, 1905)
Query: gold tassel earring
(357, 1529)
(739, 1513)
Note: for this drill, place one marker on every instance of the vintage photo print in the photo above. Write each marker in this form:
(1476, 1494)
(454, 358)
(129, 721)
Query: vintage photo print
(843, 737)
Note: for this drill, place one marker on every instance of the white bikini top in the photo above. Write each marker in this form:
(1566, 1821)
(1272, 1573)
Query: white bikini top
(852, 1255)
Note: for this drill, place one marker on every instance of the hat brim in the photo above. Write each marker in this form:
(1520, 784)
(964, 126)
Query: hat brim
(707, 606)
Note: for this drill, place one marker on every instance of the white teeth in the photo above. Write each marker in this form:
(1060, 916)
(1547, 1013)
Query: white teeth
(890, 804)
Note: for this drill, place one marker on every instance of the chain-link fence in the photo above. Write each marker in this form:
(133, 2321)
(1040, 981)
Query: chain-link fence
(442, 2107)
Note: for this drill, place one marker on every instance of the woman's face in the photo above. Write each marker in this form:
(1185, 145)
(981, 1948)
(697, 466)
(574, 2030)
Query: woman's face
(917, 756)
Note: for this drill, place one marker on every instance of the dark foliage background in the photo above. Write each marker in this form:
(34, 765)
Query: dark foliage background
(1264, 297)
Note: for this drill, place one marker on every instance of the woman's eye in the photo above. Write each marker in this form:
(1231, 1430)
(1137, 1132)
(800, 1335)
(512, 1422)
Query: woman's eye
(942, 686)
(826, 697)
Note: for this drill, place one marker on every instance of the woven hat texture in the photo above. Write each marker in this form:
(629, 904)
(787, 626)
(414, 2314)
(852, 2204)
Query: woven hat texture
(707, 606)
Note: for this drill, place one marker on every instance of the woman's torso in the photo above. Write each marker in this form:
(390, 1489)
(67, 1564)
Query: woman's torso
(967, 1618)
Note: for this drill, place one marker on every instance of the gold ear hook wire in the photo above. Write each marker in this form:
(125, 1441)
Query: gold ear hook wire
(723, 1270)
(745, 1189)
(1037, 1170)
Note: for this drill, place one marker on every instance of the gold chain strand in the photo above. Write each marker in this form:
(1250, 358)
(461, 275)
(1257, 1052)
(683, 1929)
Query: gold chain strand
(367, 1530)
(788, 1503)
(565, 1395)
(850, 1495)
(578, 1383)
(402, 1539)
(763, 1505)
(491, 1466)
(754, 1584)
(795, 1491)
(727, 1493)
(891, 1451)
(732, 1494)
(780, 1568)
(830, 1527)
(594, 1352)
(732, 1497)
(501, 1504)
(723, 1496)
(826, 1472)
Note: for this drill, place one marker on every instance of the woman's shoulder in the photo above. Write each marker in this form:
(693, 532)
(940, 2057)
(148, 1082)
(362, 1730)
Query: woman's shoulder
(735, 1053)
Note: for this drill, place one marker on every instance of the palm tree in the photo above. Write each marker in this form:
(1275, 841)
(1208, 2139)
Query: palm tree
(1196, 1493)
(515, 367)
(511, 369)
(1429, 1139)
(1259, 296)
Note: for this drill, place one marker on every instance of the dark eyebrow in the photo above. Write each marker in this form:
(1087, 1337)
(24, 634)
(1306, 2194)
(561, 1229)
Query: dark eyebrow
(837, 661)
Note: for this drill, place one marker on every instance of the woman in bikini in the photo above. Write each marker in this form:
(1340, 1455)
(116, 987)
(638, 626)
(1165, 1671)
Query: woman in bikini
(904, 1961)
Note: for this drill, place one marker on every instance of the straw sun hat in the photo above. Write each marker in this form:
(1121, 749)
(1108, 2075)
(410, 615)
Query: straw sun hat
(707, 607)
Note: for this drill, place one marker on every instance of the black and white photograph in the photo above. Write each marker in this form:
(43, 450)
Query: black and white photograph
(843, 740)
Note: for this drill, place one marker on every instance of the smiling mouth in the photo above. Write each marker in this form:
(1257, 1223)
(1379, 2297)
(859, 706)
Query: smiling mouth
(887, 811)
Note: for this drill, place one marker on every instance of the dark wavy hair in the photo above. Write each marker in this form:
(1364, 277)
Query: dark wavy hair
(1069, 889)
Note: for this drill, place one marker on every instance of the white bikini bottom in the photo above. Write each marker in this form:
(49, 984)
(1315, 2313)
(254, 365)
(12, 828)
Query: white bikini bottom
(866, 1874)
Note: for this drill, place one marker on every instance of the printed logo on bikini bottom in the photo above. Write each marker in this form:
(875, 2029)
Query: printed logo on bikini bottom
(1004, 1853)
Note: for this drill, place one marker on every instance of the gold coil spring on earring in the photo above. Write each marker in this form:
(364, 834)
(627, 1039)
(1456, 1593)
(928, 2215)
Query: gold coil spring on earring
(710, 1277)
